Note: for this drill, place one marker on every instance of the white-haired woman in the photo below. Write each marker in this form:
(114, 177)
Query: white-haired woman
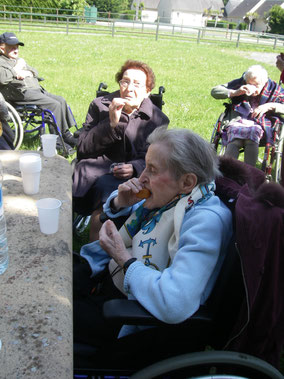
(168, 253)
(256, 101)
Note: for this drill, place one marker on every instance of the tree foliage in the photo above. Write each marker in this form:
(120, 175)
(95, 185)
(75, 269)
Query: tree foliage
(113, 6)
(44, 4)
(276, 20)
(250, 17)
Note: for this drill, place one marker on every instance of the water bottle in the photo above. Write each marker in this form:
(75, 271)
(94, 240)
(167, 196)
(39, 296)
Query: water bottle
(4, 256)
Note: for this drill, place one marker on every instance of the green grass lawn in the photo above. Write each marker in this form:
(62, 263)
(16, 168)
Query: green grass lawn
(74, 65)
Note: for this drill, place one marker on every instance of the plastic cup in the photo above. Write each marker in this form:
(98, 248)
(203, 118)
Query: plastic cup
(48, 142)
(30, 167)
(48, 214)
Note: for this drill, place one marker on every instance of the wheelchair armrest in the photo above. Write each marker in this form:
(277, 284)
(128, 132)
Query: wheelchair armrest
(118, 221)
(162, 90)
(26, 107)
(130, 312)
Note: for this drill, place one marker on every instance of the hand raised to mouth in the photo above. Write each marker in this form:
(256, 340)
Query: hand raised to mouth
(143, 194)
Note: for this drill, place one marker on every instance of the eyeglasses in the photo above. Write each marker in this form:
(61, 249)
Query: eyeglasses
(126, 83)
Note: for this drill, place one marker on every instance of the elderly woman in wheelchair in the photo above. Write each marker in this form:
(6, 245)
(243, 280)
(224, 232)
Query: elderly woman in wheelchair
(257, 103)
(112, 144)
(169, 251)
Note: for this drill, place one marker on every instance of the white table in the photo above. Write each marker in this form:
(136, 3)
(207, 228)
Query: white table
(36, 290)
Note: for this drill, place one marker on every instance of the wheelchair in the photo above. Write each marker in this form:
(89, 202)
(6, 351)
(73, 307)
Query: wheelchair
(165, 351)
(210, 325)
(272, 157)
(16, 126)
(80, 222)
(28, 122)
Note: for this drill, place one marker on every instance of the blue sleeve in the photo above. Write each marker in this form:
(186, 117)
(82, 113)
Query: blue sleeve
(176, 293)
(96, 256)
(92, 252)
(124, 211)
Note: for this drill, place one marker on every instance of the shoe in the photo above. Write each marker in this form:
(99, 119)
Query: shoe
(78, 132)
(70, 139)
(64, 152)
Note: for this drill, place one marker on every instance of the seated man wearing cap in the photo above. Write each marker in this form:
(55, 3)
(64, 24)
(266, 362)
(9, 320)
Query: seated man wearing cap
(19, 84)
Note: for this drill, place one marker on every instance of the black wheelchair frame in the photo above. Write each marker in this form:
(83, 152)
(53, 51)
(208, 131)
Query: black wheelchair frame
(271, 161)
(212, 324)
(210, 365)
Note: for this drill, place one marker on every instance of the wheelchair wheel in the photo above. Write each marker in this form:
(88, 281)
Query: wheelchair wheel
(16, 125)
(210, 364)
(216, 138)
(31, 116)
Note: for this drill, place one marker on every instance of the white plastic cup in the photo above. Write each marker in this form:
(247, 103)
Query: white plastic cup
(30, 167)
(48, 214)
(48, 142)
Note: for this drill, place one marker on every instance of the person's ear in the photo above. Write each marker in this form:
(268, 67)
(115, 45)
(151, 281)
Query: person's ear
(187, 182)
(2, 48)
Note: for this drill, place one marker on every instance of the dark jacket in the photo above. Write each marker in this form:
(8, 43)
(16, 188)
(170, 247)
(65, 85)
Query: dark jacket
(127, 141)
(100, 145)
(259, 216)
(12, 88)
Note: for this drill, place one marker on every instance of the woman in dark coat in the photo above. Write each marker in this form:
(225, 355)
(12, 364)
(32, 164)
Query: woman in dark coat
(115, 131)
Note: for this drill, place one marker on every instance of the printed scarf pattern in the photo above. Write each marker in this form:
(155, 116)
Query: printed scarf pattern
(145, 220)
(153, 236)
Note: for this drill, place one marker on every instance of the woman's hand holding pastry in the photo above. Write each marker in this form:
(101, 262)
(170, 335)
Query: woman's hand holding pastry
(115, 110)
(127, 193)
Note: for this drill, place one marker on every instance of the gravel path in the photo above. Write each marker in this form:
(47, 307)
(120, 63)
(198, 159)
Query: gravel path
(269, 58)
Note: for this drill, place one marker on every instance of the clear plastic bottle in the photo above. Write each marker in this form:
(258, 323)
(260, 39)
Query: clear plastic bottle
(4, 255)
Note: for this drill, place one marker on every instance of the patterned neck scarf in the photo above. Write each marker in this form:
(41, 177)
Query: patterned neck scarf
(146, 219)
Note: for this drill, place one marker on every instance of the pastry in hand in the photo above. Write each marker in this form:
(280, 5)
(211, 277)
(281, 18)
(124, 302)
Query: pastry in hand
(143, 194)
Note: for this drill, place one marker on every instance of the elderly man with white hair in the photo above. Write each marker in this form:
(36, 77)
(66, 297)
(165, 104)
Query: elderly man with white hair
(257, 102)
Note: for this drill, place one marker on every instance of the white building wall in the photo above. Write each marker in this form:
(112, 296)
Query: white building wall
(231, 5)
(185, 18)
(149, 16)
(260, 26)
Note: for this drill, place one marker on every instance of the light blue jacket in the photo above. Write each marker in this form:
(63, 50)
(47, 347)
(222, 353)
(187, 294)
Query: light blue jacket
(176, 293)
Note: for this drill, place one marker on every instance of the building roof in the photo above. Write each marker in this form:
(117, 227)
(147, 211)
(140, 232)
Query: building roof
(231, 4)
(265, 7)
(196, 5)
(245, 7)
(242, 9)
